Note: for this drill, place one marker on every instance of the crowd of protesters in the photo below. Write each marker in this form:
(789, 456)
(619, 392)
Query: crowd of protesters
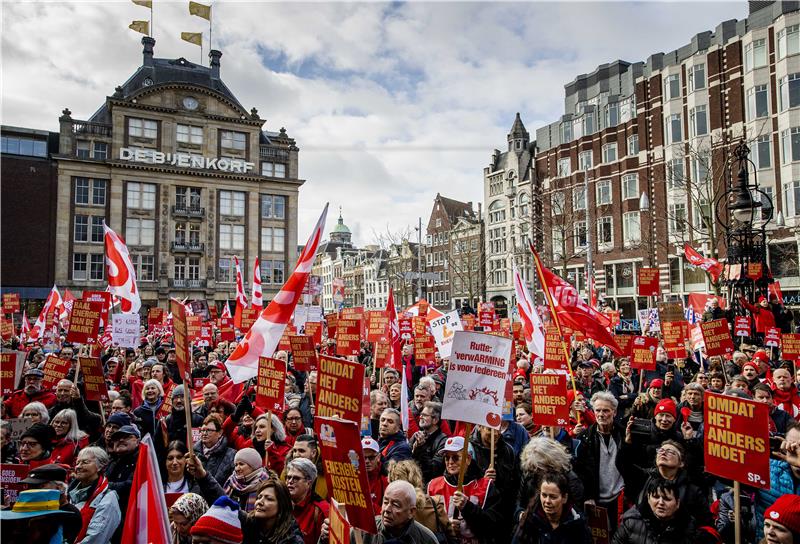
(633, 446)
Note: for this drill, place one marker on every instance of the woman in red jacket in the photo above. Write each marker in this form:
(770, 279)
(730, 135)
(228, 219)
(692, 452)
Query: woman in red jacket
(69, 438)
(762, 314)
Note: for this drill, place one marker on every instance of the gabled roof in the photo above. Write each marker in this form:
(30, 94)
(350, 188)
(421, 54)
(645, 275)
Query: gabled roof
(518, 129)
(455, 208)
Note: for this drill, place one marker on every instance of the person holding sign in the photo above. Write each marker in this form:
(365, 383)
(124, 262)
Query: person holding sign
(502, 469)
(762, 314)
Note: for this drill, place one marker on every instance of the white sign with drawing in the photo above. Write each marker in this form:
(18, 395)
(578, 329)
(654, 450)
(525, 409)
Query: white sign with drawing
(443, 330)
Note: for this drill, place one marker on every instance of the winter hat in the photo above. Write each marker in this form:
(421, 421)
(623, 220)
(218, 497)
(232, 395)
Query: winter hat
(762, 356)
(657, 383)
(369, 444)
(751, 363)
(666, 406)
(786, 511)
(221, 522)
(120, 419)
(761, 299)
(249, 456)
(43, 434)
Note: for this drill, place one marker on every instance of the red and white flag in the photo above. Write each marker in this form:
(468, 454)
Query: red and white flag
(146, 520)
(531, 324)
(257, 300)
(241, 298)
(263, 337)
(65, 308)
(121, 273)
(712, 266)
(25, 327)
(51, 306)
(226, 311)
(394, 333)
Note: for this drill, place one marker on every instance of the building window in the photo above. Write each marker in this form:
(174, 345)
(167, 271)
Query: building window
(701, 214)
(612, 114)
(631, 228)
(605, 233)
(140, 232)
(757, 102)
(273, 207)
(142, 128)
(755, 54)
(231, 237)
(145, 267)
(558, 244)
(97, 234)
(698, 121)
(584, 160)
(587, 123)
(790, 145)
(609, 152)
(272, 271)
(80, 264)
(187, 198)
(272, 239)
(497, 212)
(581, 234)
(180, 234)
(630, 186)
(788, 41)
(603, 192)
(767, 203)
(233, 140)
(791, 199)
(231, 203)
(558, 203)
(100, 150)
(141, 196)
(677, 218)
(225, 270)
(14, 145)
(187, 134)
(179, 269)
(700, 168)
(193, 268)
(566, 132)
(98, 192)
(789, 91)
(579, 198)
(81, 230)
(564, 168)
(673, 127)
(697, 77)
(633, 144)
(675, 174)
(81, 191)
(763, 152)
(82, 149)
(672, 86)
(273, 169)
(97, 266)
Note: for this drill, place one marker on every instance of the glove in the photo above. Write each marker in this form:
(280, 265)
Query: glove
(244, 407)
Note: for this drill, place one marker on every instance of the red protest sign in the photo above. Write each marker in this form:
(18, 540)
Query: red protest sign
(10, 303)
(94, 381)
(332, 320)
(643, 352)
(356, 312)
(103, 297)
(11, 363)
(84, 323)
(339, 532)
(554, 350)
(424, 350)
(283, 343)
(406, 325)
(193, 324)
(55, 369)
(675, 334)
(271, 384)
(180, 334)
(791, 346)
(343, 459)
(11, 477)
(205, 337)
(648, 282)
(549, 396)
(304, 356)
(314, 330)
(226, 332)
(339, 384)
(377, 325)
(155, 317)
(736, 439)
(249, 316)
(348, 337)
(741, 325)
(717, 337)
(597, 519)
(772, 338)
(382, 354)
(423, 307)
(468, 322)
(624, 342)
(755, 270)
(6, 328)
(418, 324)
(212, 312)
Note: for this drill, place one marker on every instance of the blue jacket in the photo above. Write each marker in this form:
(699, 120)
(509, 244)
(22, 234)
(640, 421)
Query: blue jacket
(782, 482)
(394, 448)
(516, 436)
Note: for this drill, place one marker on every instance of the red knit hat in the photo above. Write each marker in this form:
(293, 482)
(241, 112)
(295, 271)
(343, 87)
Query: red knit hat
(761, 299)
(761, 356)
(751, 363)
(221, 522)
(666, 406)
(786, 511)
(658, 383)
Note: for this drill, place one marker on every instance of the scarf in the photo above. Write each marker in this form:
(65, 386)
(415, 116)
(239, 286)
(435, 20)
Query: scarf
(192, 506)
(87, 511)
(245, 488)
(153, 406)
(208, 452)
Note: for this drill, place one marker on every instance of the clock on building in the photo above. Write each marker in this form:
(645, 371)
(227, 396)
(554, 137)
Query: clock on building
(190, 103)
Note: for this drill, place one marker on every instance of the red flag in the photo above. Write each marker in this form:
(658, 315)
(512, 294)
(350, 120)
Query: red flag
(571, 310)
(121, 273)
(394, 333)
(775, 291)
(50, 306)
(257, 301)
(532, 327)
(25, 328)
(241, 298)
(226, 311)
(146, 519)
(712, 266)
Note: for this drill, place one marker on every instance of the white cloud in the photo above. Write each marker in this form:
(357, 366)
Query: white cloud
(389, 103)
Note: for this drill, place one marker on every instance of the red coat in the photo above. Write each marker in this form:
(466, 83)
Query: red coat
(763, 317)
(65, 451)
(310, 514)
(377, 485)
(18, 400)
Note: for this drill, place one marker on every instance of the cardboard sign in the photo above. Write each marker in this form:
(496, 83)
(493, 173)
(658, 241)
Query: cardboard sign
(271, 384)
(11, 364)
(55, 369)
(643, 352)
(443, 330)
(193, 324)
(205, 337)
(11, 477)
(183, 353)
(339, 384)
(717, 337)
(249, 316)
(304, 356)
(377, 325)
(648, 282)
(791, 346)
(670, 311)
(406, 325)
(554, 350)
(348, 337)
(597, 519)
(624, 342)
(675, 335)
(343, 460)
(418, 324)
(84, 323)
(422, 307)
(94, 382)
(382, 354)
(314, 330)
(6, 328)
(736, 439)
(155, 316)
(486, 316)
(772, 338)
(104, 298)
(226, 332)
(332, 321)
(468, 322)
(10, 303)
(741, 325)
(549, 396)
(424, 350)
(339, 531)
(125, 330)
(476, 379)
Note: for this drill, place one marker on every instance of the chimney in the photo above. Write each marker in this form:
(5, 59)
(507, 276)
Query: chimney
(147, 53)
(214, 55)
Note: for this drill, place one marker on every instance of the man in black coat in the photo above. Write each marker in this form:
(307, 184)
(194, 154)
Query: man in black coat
(427, 443)
(69, 397)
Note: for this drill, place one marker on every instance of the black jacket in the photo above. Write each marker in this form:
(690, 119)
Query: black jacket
(176, 424)
(587, 463)
(573, 529)
(220, 463)
(120, 477)
(482, 522)
(625, 400)
(638, 528)
(506, 465)
(641, 456)
(428, 457)
(694, 501)
(88, 421)
(781, 418)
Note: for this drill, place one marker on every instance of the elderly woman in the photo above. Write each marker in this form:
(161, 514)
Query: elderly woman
(35, 445)
(309, 509)
(247, 477)
(89, 492)
(271, 520)
(69, 439)
(184, 513)
(36, 412)
(148, 413)
(293, 423)
(213, 450)
(394, 395)
(542, 455)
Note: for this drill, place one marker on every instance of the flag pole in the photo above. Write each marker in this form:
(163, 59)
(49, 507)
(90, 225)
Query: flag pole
(210, 26)
(151, 21)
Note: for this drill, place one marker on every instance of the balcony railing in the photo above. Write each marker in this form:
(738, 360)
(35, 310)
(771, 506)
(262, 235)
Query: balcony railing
(182, 283)
(184, 211)
(273, 153)
(86, 127)
(188, 247)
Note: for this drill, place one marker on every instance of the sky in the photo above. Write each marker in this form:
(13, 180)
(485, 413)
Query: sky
(389, 103)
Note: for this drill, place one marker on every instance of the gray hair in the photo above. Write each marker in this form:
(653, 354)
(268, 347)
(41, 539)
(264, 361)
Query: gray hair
(694, 386)
(41, 409)
(101, 458)
(64, 381)
(607, 367)
(544, 454)
(406, 489)
(739, 355)
(605, 396)
(156, 383)
(70, 415)
(113, 395)
(375, 394)
(303, 465)
(435, 408)
(428, 383)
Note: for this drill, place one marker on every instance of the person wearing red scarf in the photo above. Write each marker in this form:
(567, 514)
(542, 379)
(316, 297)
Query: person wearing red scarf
(89, 492)
(578, 409)
(377, 480)
(309, 509)
(785, 392)
(293, 423)
(762, 314)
